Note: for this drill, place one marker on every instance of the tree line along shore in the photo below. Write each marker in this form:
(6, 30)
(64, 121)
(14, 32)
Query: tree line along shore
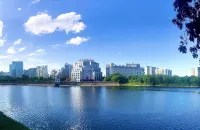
(111, 80)
(154, 80)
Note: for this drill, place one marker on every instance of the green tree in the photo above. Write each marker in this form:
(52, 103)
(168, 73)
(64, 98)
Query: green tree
(108, 78)
(159, 79)
(118, 78)
(195, 81)
(41, 78)
(188, 20)
(187, 80)
(147, 79)
(25, 78)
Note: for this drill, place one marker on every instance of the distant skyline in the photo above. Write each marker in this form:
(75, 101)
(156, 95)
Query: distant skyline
(55, 32)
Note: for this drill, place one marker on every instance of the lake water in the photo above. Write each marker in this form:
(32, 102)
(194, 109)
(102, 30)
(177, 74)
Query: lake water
(103, 108)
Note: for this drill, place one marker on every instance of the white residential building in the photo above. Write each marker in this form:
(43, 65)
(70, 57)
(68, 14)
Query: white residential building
(160, 71)
(128, 70)
(86, 70)
(195, 71)
(157, 71)
(149, 70)
(42, 71)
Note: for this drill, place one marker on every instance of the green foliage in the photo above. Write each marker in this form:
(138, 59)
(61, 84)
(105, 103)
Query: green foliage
(108, 78)
(187, 20)
(24, 79)
(117, 78)
(7, 123)
(154, 80)
(195, 81)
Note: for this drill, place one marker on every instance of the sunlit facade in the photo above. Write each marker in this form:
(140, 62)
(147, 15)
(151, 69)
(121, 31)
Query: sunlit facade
(42, 71)
(157, 71)
(86, 70)
(195, 72)
(126, 70)
(149, 70)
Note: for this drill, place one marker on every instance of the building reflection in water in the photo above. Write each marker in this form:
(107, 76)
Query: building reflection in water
(79, 107)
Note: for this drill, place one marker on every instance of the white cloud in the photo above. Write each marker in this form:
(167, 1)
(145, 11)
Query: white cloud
(17, 42)
(32, 54)
(77, 40)
(11, 50)
(3, 57)
(35, 1)
(19, 9)
(33, 62)
(43, 23)
(2, 42)
(37, 52)
(40, 51)
(22, 49)
(1, 28)
(56, 46)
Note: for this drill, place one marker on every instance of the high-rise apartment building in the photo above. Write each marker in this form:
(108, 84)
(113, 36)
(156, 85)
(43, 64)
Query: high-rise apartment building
(42, 71)
(25, 72)
(160, 71)
(31, 72)
(65, 71)
(10, 69)
(198, 71)
(149, 70)
(195, 72)
(86, 70)
(157, 71)
(168, 72)
(126, 70)
(16, 69)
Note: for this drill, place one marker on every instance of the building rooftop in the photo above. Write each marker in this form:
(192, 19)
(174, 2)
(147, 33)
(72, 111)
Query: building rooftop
(86, 60)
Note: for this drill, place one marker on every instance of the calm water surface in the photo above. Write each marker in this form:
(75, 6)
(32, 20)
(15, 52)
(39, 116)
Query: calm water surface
(94, 108)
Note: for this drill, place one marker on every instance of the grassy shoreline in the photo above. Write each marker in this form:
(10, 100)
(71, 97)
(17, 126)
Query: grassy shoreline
(6, 123)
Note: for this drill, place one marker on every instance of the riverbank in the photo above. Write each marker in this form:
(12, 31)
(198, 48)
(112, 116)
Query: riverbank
(67, 84)
(164, 85)
(96, 84)
(99, 84)
(6, 123)
(135, 85)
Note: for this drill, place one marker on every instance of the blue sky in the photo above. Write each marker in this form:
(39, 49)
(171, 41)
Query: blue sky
(53, 32)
